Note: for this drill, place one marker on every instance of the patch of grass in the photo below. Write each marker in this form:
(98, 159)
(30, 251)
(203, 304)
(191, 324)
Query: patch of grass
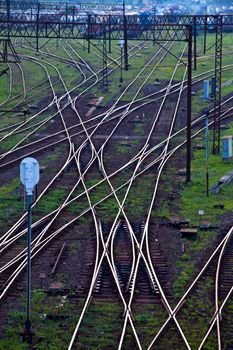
(139, 129)
(100, 326)
(195, 314)
(74, 248)
(122, 147)
(11, 141)
(4, 81)
(51, 201)
(11, 204)
(194, 197)
(139, 197)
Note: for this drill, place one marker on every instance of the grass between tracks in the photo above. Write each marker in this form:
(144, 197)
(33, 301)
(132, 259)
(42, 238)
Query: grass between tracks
(199, 307)
(51, 315)
(10, 203)
(193, 198)
(4, 92)
(11, 194)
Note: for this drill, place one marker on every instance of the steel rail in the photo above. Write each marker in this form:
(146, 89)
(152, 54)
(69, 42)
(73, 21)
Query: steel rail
(150, 268)
(198, 120)
(65, 226)
(217, 313)
(96, 118)
(150, 151)
(10, 86)
(72, 90)
(116, 218)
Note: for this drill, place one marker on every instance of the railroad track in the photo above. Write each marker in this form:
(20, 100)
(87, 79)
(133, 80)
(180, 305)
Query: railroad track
(124, 256)
(152, 277)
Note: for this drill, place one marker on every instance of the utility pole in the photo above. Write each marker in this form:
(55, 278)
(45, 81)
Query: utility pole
(121, 43)
(125, 39)
(8, 9)
(105, 61)
(189, 107)
(109, 34)
(88, 34)
(218, 85)
(207, 152)
(195, 41)
(37, 27)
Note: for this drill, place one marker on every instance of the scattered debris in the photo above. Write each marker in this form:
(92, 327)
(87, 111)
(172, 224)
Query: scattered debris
(55, 287)
(181, 172)
(176, 221)
(205, 226)
(56, 317)
(199, 146)
(157, 82)
(95, 101)
(188, 232)
(90, 112)
(58, 258)
(224, 127)
(42, 278)
(33, 106)
(226, 179)
(219, 206)
(42, 169)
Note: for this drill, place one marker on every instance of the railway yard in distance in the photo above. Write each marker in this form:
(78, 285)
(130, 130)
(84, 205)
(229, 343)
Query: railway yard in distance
(129, 250)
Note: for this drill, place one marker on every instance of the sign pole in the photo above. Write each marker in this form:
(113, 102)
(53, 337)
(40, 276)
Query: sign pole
(29, 263)
(207, 153)
(29, 176)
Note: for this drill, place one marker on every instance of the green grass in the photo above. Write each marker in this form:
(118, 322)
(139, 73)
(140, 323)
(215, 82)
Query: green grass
(125, 146)
(51, 201)
(10, 203)
(11, 195)
(44, 328)
(4, 82)
(11, 141)
(139, 197)
(196, 313)
(102, 318)
(193, 198)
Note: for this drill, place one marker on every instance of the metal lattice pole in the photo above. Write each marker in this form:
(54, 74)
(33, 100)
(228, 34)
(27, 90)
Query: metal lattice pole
(105, 62)
(125, 39)
(37, 26)
(8, 7)
(218, 85)
(109, 34)
(89, 33)
(195, 41)
(189, 107)
(205, 34)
